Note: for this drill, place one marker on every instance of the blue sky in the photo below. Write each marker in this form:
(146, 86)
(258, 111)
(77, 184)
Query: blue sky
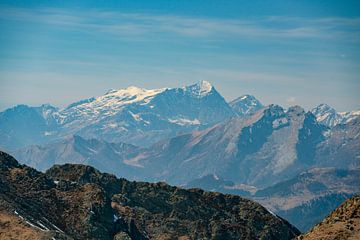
(283, 52)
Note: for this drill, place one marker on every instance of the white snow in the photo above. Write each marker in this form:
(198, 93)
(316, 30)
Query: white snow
(42, 226)
(107, 105)
(205, 87)
(184, 121)
(272, 212)
(243, 97)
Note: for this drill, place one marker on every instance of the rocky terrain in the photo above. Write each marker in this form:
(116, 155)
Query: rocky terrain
(79, 202)
(342, 223)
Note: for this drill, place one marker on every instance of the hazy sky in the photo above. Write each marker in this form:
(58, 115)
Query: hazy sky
(284, 52)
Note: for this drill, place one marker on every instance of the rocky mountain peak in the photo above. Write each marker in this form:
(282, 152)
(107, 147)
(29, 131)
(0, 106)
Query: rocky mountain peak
(273, 110)
(245, 105)
(200, 89)
(329, 117)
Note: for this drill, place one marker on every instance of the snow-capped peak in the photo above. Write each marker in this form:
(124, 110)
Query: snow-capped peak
(199, 89)
(109, 104)
(323, 108)
(140, 93)
(328, 116)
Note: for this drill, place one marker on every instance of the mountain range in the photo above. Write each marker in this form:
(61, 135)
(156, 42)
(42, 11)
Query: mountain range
(137, 116)
(132, 115)
(191, 136)
(271, 145)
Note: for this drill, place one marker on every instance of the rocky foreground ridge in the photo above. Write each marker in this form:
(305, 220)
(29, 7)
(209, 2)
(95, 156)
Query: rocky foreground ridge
(79, 202)
(342, 223)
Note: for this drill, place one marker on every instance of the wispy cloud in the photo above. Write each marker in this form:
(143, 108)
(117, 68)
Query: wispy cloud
(132, 24)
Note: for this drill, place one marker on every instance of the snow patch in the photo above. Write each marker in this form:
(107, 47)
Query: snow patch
(184, 121)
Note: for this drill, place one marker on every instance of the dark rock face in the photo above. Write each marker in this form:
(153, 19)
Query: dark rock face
(79, 202)
(310, 135)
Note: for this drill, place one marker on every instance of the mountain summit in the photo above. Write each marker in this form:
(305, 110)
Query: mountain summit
(328, 116)
(200, 89)
(245, 105)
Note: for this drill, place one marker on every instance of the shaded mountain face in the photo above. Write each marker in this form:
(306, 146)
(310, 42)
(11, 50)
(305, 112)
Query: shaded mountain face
(133, 115)
(328, 116)
(79, 202)
(245, 105)
(23, 125)
(342, 223)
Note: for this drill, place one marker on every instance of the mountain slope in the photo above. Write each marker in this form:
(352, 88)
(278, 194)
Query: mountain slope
(342, 223)
(79, 202)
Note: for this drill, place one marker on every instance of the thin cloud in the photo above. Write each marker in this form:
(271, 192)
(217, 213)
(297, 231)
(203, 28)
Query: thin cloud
(132, 24)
